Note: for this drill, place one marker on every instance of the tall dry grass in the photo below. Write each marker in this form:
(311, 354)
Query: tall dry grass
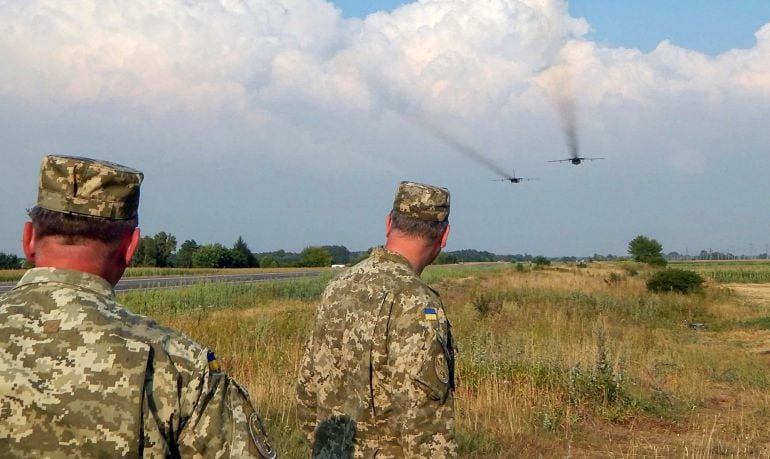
(578, 362)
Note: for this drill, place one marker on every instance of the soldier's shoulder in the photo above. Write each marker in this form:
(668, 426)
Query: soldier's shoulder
(96, 311)
(172, 342)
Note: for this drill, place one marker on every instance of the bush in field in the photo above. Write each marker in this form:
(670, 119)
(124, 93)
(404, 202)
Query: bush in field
(541, 261)
(675, 280)
(486, 303)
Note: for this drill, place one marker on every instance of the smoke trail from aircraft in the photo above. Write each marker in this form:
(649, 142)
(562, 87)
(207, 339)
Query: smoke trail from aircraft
(558, 81)
(462, 148)
(568, 116)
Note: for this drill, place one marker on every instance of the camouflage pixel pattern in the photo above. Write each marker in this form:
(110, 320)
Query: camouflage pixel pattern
(423, 202)
(84, 186)
(80, 376)
(376, 357)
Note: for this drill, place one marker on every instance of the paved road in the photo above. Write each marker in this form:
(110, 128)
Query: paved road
(147, 283)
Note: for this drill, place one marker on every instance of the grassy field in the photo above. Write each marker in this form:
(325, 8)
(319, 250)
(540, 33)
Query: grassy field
(576, 362)
(734, 271)
(13, 275)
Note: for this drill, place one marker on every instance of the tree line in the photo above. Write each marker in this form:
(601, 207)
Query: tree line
(161, 250)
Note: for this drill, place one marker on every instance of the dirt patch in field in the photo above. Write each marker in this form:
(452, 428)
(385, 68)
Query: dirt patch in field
(756, 292)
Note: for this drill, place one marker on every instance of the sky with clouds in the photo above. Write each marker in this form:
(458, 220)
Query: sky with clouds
(290, 122)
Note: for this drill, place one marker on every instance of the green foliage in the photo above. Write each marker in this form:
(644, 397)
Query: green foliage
(340, 254)
(315, 256)
(155, 250)
(646, 250)
(760, 323)
(279, 258)
(185, 254)
(675, 280)
(212, 256)
(520, 267)
(241, 256)
(445, 259)
(222, 295)
(268, 262)
(9, 261)
(540, 261)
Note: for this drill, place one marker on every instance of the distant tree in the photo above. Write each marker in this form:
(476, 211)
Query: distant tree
(242, 256)
(155, 250)
(282, 258)
(471, 255)
(646, 250)
(185, 254)
(358, 257)
(541, 261)
(268, 262)
(10, 261)
(141, 249)
(315, 256)
(445, 259)
(212, 256)
(164, 246)
(340, 254)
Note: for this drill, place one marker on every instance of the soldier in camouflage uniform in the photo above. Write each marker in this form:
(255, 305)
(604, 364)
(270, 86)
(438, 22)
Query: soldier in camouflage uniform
(80, 376)
(381, 352)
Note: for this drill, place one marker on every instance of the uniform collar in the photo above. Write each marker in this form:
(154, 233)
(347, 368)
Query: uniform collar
(78, 279)
(383, 254)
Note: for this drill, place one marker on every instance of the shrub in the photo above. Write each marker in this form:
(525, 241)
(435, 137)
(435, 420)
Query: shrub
(486, 304)
(631, 270)
(675, 280)
(540, 261)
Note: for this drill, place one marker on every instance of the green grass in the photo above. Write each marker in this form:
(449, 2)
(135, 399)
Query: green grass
(214, 296)
(734, 271)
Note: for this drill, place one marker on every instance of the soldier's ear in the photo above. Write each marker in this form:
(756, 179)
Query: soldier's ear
(28, 241)
(388, 225)
(445, 236)
(136, 235)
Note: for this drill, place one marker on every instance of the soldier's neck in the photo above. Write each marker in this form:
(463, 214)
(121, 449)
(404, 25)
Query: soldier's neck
(89, 258)
(417, 253)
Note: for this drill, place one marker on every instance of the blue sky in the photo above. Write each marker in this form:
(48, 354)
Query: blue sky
(710, 26)
(290, 124)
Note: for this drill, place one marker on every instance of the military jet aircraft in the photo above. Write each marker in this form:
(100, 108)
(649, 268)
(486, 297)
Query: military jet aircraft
(513, 179)
(574, 160)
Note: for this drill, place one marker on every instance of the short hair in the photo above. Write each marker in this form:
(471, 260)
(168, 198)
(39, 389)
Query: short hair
(429, 230)
(76, 229)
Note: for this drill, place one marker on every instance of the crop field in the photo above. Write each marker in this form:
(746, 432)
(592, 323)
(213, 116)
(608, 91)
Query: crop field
(556, 362)
(754, 271)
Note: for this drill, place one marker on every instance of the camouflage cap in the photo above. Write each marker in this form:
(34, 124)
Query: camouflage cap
(424, 202)
(84, 186)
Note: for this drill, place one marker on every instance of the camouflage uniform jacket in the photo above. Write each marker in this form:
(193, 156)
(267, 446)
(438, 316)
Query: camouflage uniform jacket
(381, 352)
(82, 377)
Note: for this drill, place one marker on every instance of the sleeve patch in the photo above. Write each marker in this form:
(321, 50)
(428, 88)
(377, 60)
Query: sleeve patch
(430, 313)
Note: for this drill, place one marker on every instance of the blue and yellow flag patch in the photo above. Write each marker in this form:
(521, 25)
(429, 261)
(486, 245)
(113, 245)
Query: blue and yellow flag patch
(430, 313)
